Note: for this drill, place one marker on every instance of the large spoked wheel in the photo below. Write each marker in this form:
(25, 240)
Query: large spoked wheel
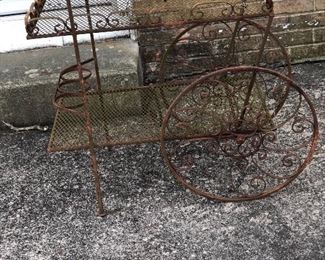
(224, 138)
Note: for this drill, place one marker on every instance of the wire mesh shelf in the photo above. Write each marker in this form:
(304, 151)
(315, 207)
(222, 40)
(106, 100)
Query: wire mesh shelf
(135, 115)
(118, 117)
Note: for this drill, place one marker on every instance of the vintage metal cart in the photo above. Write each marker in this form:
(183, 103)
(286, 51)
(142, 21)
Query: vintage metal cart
(228, 131)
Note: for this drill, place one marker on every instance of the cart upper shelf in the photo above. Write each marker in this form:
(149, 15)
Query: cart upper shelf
(47, 18)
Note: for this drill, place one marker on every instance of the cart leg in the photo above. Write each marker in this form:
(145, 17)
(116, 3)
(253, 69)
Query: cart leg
(99, 198)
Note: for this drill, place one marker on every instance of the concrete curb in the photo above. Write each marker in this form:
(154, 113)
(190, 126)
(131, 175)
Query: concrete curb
(29, 78)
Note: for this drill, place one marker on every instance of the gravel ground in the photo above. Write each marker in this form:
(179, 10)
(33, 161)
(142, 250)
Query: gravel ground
(47, 205)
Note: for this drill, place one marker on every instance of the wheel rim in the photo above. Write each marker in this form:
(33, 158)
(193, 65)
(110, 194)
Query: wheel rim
(231, 163)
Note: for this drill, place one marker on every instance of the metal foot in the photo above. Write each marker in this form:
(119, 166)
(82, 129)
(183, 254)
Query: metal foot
(102, 214)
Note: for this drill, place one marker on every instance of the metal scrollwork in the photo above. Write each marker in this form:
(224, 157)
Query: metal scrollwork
(138, 14)
(236, 157)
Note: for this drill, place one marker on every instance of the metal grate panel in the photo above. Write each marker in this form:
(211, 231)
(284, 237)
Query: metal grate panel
(50, 18)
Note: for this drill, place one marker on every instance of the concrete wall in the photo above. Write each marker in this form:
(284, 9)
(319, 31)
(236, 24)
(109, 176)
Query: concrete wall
(299, 24)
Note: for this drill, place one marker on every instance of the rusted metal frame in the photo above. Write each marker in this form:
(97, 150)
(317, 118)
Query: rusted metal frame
(61, 93)
(88, 126)
(155, 140)
(232, 42)
(93, 46)
(135, 27)
(147, 87)
(269, 4)
(279, 43)
(286, 57)
(229, 52)
(162, 68)
(259, 59)
(163, 63)
(233, 39)
(33, 14)
(98, 79)
(91, 145)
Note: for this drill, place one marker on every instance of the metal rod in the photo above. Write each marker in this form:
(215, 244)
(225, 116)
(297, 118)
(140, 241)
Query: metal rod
(88, 126)
(233, 39)
(232, 44)
(93, 46)
(259, 58)
(98, 80)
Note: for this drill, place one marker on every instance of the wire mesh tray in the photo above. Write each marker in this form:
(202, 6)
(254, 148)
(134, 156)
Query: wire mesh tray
(135, 115)
(48, 18)
(117, 117)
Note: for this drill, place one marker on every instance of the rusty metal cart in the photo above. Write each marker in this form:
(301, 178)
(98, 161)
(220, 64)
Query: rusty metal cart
(228, 131)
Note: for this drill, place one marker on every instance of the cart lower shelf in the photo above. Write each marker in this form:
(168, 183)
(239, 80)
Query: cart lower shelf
(135, 115)
(117, 117)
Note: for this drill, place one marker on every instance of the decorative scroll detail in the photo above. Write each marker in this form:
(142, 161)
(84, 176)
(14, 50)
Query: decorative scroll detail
(32, 16)
(207, 47)
(211, 46)
(126, 14)
(216, 150)
(204, 10)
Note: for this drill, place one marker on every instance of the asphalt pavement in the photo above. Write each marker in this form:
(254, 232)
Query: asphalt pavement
(47, 205)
